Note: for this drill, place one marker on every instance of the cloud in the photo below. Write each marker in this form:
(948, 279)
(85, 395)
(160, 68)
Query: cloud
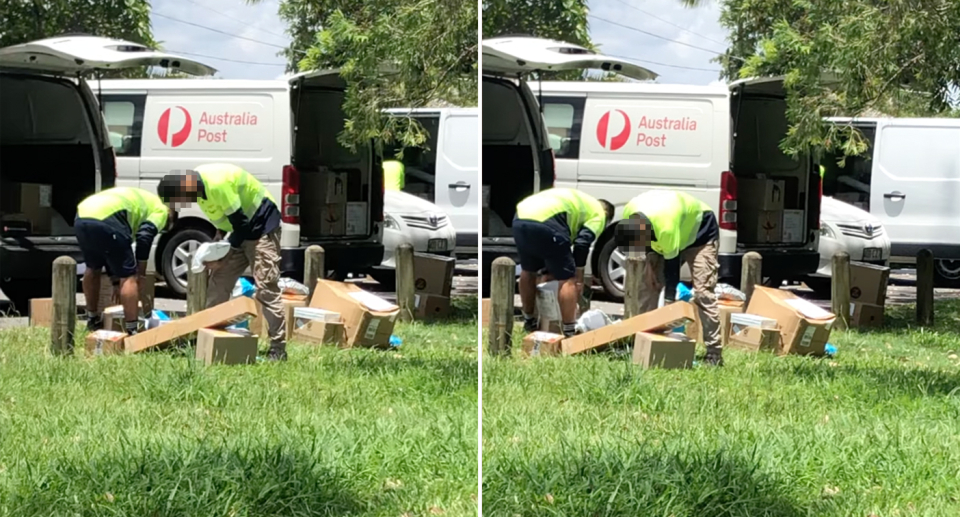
(702, 30)
(234, 17)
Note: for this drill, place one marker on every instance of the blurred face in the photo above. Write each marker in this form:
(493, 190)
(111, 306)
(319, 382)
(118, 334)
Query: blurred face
(635, 236)
(186, 193)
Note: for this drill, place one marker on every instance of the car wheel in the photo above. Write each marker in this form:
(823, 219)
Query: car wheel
(947, 273)
(386, 277)
(175, 258)
(612, 266)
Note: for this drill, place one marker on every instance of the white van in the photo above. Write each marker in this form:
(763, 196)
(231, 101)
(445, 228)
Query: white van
(284, 132)
(615, 140)
(517, 158)
(54, 148)
(445, 172)
(911, 182)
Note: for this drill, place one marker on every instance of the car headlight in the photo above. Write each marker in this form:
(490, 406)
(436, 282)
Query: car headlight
(826, 231)
(389, 223)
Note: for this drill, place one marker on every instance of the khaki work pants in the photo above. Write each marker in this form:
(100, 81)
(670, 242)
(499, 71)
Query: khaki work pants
(264, 255)
(705, 266)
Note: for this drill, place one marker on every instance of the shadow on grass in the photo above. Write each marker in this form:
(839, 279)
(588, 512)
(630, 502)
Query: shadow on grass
(183, 480)
(456, 373)
(889, 382)
(636, 482)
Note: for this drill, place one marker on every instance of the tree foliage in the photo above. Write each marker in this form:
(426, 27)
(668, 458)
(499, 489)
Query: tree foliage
(562, 20)
(429, 46)
(847, 58)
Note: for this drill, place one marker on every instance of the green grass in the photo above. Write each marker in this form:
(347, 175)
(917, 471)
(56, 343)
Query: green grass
(330, 432)
(873, 431)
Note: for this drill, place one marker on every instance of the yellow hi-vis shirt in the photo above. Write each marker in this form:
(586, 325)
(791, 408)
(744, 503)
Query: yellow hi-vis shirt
(675, 217)
(229, 188)
(393, 175)
(141, 207)
(582, 211)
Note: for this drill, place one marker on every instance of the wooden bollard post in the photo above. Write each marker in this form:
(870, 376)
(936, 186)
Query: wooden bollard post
(313, 267)
(925, 288)
(752, 274)
(64, 317)
(502, 282)
(840, 289)
(635, 266)
(406, 282)
(196, 289)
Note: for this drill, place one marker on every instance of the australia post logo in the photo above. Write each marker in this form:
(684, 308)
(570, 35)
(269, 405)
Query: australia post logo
(176, 126)
(615, 130)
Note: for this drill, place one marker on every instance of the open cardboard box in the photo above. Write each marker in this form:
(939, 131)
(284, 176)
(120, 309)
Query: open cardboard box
(368, 319)
(542, 344)
(657, 321)
(663, 351)
(223, 315)
(804, 327)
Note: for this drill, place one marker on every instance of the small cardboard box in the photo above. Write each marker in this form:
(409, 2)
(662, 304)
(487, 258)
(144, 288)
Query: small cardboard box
(765, 226)
(104, 342)
(332, 219)
(548, 307)
(113, 318)
(754, 339)
(725, 312)
(221, 347)
(41, 312)
(223, 315)
(656, 321)
(433, 273)
(36, 202)
(865, 315)
(109, 293)
(804, 327)
(868, 283)
(793, 226)
(659, 351)
(431, 306)
(485, 309)
(331, 186)
(542, 344)
(368, 319)
(356, 214)
(320, 333)
(764, 194)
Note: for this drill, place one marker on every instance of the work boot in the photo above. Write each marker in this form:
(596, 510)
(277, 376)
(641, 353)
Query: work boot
(94, 322)
(531, 325)
(713, 358)
(277, 353)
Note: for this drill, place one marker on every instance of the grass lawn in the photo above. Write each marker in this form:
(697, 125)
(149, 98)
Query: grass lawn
(874, 431)
(330, 432)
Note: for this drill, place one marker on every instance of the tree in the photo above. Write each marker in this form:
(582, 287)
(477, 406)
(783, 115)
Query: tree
(562, 20)
(847, 58)
(28, 20)
(430, 47)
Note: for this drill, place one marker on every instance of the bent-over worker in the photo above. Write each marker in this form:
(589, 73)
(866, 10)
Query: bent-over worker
(554, 229)
(671, 227)
(238, 203)
(107, 225)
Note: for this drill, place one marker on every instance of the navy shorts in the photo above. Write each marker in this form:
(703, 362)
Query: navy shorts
(541, 245)
(106, 243)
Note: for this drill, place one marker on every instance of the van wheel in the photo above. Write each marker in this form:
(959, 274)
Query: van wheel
(611, 264)
(946, 273)
(176, 257)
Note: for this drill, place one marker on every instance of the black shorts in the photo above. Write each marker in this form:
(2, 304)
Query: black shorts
(106, 243)
(542, 245)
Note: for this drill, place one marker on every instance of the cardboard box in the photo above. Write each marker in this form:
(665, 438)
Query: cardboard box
(764, 194)
(368, 320)
(804, 327)
(320, 333)
(332, 219)
(793, 226)
(548, 307)
(725, 312)
(41, 312)
(865, 315)
(221, 347)
(754, 339)
(328, 187)
(356, 218)
(868, 283)
(433, 273)
(109, 293)
(104, 342)
(36, 204)
(223, 315)
(765, 226)
(431, 306)
(485, 309)
(113, 318)
(660, 351)
(656, 321)
(542, 344)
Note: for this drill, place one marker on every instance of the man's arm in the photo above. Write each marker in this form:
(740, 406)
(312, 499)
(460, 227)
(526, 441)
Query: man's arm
(145, 235)
(671, 276)
(241, 229)
(581, 246)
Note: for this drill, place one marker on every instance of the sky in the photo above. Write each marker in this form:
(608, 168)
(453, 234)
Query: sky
(240, 23)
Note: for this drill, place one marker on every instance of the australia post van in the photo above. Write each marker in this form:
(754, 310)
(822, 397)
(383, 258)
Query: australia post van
(284, 132)
(717, 143)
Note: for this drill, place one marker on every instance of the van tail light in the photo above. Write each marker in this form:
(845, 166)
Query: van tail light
(290, 195)
(728, 201)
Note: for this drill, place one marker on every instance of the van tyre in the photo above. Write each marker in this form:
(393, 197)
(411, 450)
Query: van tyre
(611, 267)
(947, 273)
(174, 260)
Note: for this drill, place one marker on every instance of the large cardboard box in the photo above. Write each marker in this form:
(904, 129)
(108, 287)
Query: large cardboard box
(865, 315)
(104, 342)
(804, 327)
(793, 226)
(41, 312)
(223, 315)
(331, 186)
(765, 226)
(221, 347)
(660, 320)
(431, 306)
(542, 344)
(333, 219)
(868, 283)
(725, 311)
(356, 218)
(764, 194)
(433, 273)
(368, 320)
(660, 351)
